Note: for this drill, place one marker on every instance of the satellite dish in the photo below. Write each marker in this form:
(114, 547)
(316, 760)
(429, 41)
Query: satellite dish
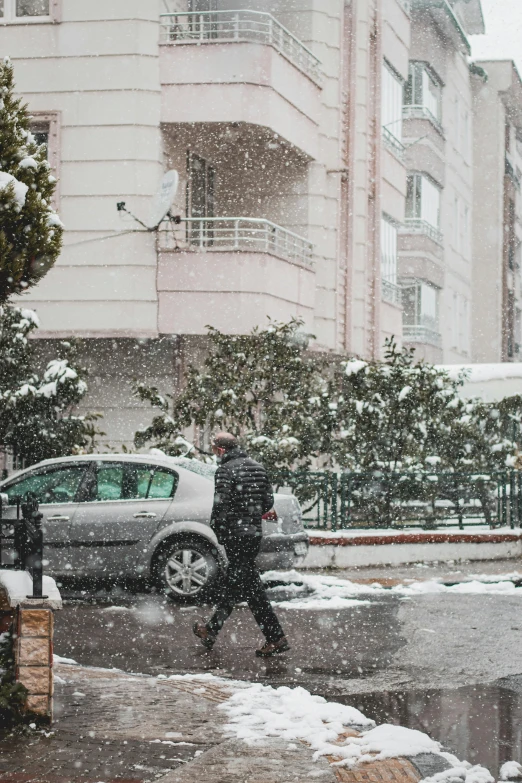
(164, 198)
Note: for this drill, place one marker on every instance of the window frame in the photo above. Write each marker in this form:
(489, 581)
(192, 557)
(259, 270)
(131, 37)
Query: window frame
(388, 71)
(416, 70)
(417, 199)
(53, 121)
(9, 16)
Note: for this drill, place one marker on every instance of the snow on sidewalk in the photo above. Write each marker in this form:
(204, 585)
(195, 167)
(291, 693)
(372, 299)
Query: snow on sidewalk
(318, 591)
(260, 712)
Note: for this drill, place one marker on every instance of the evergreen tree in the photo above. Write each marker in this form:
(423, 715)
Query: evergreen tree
(262, 387)
(30, 230)
(37, 419)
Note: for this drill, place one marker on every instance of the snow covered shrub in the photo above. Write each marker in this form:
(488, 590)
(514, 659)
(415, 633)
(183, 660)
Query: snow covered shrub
(30, 230)
(262, 386)
(296, 409)
(37, 418)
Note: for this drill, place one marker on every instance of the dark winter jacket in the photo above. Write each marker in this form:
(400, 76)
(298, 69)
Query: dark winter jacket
(242, 495)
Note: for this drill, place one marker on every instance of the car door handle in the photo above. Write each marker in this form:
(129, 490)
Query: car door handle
(58, 518)
(145, 515)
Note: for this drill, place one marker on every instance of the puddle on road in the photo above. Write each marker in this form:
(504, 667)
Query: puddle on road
(479, 724)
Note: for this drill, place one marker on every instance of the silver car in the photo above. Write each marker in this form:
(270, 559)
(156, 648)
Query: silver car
(122, 515)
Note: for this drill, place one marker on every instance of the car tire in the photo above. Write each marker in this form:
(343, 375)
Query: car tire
(186, 569)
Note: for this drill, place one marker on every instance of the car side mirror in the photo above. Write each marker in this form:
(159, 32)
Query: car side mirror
(4, 497)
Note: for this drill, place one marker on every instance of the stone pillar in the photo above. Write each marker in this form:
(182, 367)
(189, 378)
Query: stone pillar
(31, 623)
(33, 649)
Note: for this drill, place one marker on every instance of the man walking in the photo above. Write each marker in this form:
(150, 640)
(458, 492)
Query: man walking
(242, 495)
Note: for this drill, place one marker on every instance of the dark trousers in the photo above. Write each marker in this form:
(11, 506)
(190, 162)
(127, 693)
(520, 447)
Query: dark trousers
(243, 583)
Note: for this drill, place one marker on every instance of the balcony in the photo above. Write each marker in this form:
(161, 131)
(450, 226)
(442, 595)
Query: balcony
(239, 26)
(422, 227)
(393, 144)
(232, 270)
(413, 112)
(420, 333)
(240, 67)
(391, 292)
(237, 234)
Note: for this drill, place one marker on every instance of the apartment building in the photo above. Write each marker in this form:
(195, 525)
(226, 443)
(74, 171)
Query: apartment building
(435, 250)
(497, 213)
(325, 163)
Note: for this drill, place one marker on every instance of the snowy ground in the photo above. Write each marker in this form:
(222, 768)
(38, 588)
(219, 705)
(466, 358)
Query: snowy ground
(321, 591)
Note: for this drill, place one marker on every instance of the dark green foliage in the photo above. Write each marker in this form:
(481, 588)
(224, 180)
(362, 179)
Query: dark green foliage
(261, 386)
(12, 694)
(30, 230)
(295, 410)
(37, 418)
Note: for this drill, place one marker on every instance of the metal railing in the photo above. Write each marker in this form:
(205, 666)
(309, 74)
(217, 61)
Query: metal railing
(420, 333)
(238, 26)
(419, 112)
(241, 235)
(23, 536)
(400, 500)
(392, 143)
(391, 292)
(419, 226)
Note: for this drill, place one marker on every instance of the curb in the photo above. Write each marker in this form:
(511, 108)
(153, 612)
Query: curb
(349, 549)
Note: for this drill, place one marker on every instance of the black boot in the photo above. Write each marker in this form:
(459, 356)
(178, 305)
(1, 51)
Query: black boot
(202, 632)
(273, 648)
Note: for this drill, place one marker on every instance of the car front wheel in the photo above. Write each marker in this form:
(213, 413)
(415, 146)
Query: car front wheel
(187, 569)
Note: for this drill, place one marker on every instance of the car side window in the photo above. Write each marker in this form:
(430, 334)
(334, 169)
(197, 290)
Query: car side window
(109, 481)
(147, 482)
(50, 486)
(163, 485)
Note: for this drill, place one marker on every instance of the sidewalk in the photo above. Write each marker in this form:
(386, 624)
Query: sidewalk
(111, 726)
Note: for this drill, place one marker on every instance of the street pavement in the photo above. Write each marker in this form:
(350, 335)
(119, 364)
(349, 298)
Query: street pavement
(446, 664)
(391, 642)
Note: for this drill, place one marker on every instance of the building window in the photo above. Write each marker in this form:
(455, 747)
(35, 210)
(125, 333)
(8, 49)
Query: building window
(201, 6)
(420, 302)
(201, 179)
(422, 200)
(423, 91)
(390, 290)
(28, 10)
(392, 89)
(32, 7)
(45, 127)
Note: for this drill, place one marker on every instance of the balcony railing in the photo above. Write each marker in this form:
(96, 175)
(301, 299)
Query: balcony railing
(392, 143)
(420, 333)
(418, 226)
(238, 26)
(391, 292)
(415, 112)
(239, 234)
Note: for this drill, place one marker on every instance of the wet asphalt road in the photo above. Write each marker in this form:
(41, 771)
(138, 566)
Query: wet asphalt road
(389, 643)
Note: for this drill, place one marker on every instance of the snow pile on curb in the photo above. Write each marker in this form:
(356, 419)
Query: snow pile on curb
(383, 742)
(313, 591)
(260, 711)
(461, 772)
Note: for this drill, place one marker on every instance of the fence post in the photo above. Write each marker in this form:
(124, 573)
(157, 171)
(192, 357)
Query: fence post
(333, 495)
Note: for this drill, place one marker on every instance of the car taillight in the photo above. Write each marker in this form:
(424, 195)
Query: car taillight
(271, 515)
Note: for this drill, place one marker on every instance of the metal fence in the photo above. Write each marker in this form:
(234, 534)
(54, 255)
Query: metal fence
(343, 501)
(236, 26)
(21, 535)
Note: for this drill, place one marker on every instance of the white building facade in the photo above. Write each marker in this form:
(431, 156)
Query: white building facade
(326, 172)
